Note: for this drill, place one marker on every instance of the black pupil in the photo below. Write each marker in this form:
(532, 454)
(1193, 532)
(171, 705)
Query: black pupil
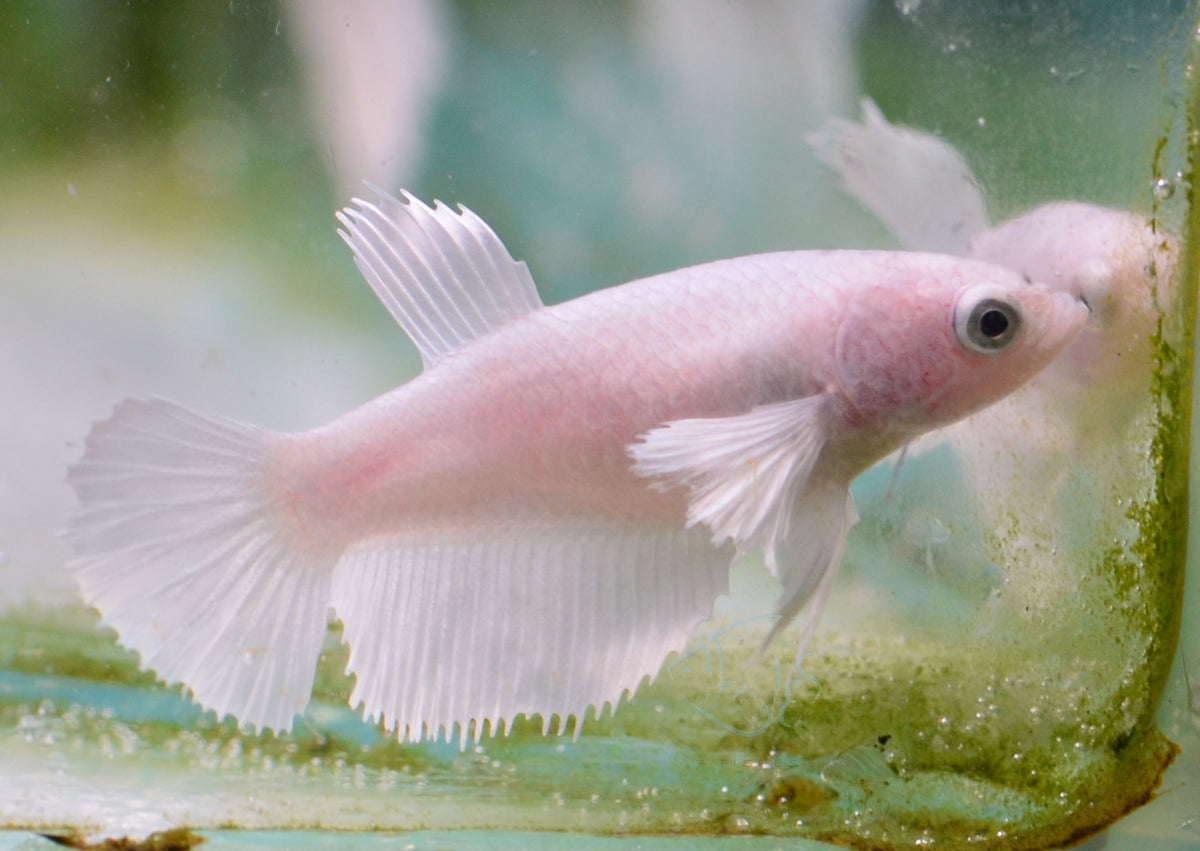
(993, 323)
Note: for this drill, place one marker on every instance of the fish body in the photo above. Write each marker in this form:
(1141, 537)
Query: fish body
(551, 403)
(537, 520)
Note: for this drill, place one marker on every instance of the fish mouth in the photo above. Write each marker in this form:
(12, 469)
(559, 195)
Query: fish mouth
(1068, 314)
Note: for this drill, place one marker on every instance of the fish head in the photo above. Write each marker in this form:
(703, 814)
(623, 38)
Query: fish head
(1116, 262)
(942, 337)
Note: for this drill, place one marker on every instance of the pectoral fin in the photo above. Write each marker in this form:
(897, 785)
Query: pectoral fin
(749, 479)
(743, 473)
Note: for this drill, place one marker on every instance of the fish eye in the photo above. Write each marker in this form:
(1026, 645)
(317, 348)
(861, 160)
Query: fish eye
(986, 320)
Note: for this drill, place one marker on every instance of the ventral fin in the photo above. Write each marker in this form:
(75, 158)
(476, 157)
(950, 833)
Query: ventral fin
(919, 186)
(445, 276)
(457, 630)
(743, 473)
(806, 561)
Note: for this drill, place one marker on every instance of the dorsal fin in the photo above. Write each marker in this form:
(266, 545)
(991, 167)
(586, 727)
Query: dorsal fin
(918, 185)
(444, 276)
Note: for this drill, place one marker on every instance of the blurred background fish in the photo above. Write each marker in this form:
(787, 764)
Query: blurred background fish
(1067, 429)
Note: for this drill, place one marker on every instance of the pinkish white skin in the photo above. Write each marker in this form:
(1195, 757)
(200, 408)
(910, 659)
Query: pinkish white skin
(532, 524)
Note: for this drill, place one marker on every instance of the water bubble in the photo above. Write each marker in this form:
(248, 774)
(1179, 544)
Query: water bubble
(1163, 188)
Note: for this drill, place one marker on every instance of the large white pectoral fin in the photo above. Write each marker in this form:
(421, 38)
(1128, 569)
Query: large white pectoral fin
(456, 630)
(743, 473)
(919, 186)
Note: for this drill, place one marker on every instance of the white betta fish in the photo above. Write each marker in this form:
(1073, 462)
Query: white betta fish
(536, 521)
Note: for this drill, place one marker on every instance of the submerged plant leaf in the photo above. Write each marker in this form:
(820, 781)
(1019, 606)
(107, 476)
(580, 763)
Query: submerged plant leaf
(179, 839)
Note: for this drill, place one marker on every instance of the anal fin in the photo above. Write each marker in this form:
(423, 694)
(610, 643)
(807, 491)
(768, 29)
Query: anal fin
(460, 628)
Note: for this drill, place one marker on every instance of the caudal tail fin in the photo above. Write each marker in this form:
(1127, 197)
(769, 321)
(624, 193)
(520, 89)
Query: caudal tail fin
(183, 546)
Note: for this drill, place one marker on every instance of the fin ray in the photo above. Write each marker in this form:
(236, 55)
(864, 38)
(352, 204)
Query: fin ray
(744, 472)
(466, 630)
(178, 545)
(917, 185)
(445, 277)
